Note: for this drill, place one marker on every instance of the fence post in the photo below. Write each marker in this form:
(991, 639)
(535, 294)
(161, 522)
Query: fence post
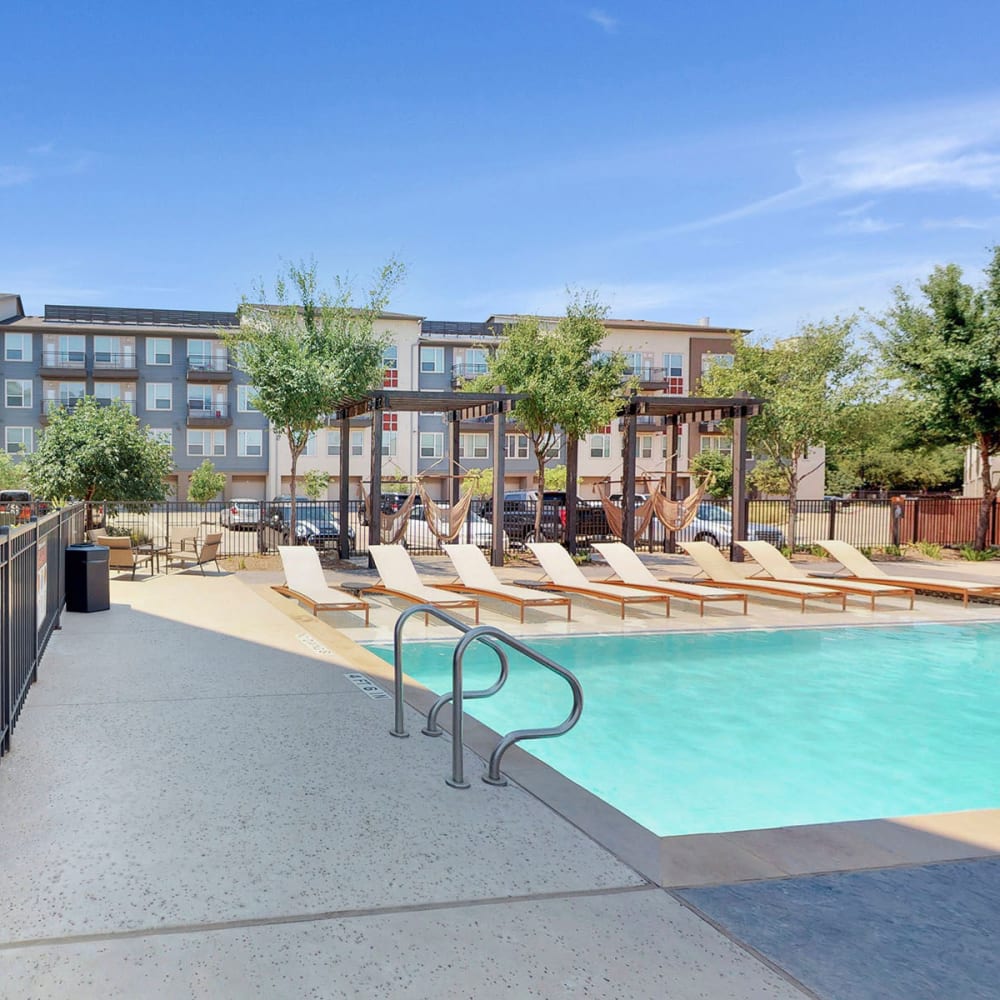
(831, 526)
(916, 521)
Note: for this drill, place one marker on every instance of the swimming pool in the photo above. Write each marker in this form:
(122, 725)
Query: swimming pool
(712, 732)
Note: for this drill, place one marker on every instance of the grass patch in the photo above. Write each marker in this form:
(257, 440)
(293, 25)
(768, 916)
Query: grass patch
(928, 549)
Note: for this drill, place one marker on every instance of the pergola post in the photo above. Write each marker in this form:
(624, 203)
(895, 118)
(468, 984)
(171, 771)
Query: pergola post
(572, 474)
(345, 485)
(628, 476)
(739, 481)
(673, 445)
(499, 461)
(375, 521)
(454, 466)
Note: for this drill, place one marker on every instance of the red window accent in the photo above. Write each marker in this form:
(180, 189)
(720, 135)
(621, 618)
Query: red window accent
(391, 379)
(606, 429)
(675, 386)
(390, 421)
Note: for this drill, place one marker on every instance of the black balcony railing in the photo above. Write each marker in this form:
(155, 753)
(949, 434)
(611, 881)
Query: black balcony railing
(203, 410)
(105, 361)
(76, 360)
(48, 405)
(462, 373)
(208, 363)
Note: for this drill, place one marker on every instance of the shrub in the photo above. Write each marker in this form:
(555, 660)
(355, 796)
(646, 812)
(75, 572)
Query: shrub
(892, 550)
(928, 549)
(977, 555)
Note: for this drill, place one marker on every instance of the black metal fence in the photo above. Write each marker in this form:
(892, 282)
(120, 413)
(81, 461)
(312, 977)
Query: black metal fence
(32, 594)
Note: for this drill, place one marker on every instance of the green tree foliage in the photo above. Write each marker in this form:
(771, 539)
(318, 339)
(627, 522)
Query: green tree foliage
(479, 481)
(11, 472)
(570, 389)
(555, 478)
(945, 348)
(205, 483)
(306, 350)
(805, 382)
(719, 467)
(98, 452)
(315, 484)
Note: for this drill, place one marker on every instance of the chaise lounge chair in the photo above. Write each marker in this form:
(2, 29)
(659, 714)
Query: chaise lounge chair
(304, 581)
(399, 578)
(477, 577)
(862, 568)
(720, 573)
(779, 568)
(633, 572)
(565, 575)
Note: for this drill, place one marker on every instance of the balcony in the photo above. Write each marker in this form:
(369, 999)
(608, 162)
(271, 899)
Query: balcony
(48, 405)
(658, 379)
(460, 374)
(209, 415)
(209, 368)
(115, 366)
(63, 364)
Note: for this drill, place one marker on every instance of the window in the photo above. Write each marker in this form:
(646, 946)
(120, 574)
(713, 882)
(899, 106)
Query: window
(475, 362)
(17, 347)
(333, 443)
(108, 351)
(17, 440)
(673, 374)
(158, 351)
(70, 392)
(431, 360)
(473, 446)
(515, 445)
(721, 445)
(708, 359)
(250, 444)
(159, 396)
(432, 445)
(207, 443)
(199, 354)
(18, 394)
(357, 442)
(390, 427)
(199, 399)
(644, 446)
(390, 362)
(72, 348)
(634, 365)
(664, 443)
(310, 449)
(600, 445)
(163, 434)
(245, 400)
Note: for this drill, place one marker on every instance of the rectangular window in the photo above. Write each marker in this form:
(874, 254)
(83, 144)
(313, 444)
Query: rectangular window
(70, 392)
(390, 362)
(644, 445)
(600, 445)
(107, 350)
(389, 444)
(634, 365)
(333, 443)
(73, 348)
(390, 421)
(431, 360)
(673, 374)
(473, 446)
(432, 445)
(163, 434)
(516, 445)
(18, 440)
(158, 351)
(17, 347)
(245, 400)
(199, 398)
(159, 396)
(250, 444)
(199, 354)
(18, 394)
(310, 449)
(207, 443)
(708, 359)
(357, 442)
(721, 445)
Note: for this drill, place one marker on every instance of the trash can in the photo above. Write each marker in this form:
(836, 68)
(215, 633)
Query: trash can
(87, 571)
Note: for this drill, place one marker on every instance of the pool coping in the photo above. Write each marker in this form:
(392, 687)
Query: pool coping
(701, 859)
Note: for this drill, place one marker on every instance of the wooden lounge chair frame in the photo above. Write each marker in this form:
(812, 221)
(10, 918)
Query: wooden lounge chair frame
(619, 563)
(709, 558)
(388, 560)
(467, 556)
(779, 568)
(122, 556)
(307, 590)
(207, 552)
(863, 569)
(559, 560)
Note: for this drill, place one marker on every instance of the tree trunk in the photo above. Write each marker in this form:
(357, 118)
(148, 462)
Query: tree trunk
(293, 515)
(793, 502)
(989, 496)
(540, 502)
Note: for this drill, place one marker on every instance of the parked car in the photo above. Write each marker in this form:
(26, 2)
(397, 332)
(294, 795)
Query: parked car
(22, 505)
(475, 531)
(391, 503)
(714, 524)
(241, 514)
(519, 508)
(314, 524)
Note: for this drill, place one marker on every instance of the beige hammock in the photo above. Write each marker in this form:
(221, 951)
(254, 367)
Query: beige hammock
(674, 515)
(445, 523)
(393, 525)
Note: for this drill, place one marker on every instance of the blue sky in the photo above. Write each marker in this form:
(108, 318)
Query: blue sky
(762, 164)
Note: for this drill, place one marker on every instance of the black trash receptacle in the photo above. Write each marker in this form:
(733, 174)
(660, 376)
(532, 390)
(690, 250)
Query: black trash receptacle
(87, 572)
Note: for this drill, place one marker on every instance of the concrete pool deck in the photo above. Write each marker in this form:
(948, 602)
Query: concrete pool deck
(201, 802)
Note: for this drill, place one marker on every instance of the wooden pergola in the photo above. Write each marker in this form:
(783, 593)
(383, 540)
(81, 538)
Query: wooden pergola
(461, 406)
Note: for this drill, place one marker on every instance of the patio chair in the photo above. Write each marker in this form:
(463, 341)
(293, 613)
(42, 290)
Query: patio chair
(208, 552)
(184, 538)
(478, 577)
(631, 571)
(779, 568)
(565, 575)
(862, 568)
(304, 581)
(122, 556)
(398, 577)
(722, 573)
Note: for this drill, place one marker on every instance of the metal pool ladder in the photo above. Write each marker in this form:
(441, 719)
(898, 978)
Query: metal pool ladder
(495, 638)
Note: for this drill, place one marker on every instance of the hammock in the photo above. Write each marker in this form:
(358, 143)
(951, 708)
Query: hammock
(674, 515)
(440, 517)
(616, 515)
(393, 525)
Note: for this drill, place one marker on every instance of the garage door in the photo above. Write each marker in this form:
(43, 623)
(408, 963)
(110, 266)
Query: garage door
(251, 487)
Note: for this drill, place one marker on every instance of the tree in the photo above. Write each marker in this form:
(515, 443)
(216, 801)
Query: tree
(205, 483)
(315, 483)
(97, 452)
(719, 467)
(569, 387)
(804, 381)
(479, 482)
(11, 472)
(309, 350)
(946, 351)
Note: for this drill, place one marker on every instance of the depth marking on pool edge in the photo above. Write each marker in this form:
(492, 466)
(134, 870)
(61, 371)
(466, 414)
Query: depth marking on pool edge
(362, 681)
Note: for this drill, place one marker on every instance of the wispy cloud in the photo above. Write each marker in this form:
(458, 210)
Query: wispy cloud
(863, 225)
(602, 19)
(12, 175)
(963, 222)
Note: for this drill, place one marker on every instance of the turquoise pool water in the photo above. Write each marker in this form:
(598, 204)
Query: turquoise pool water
(704, 733)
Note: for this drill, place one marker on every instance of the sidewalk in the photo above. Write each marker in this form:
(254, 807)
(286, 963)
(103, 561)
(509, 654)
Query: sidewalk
(200, 803)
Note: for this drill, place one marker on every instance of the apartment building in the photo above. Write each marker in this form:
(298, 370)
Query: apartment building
(169, 366)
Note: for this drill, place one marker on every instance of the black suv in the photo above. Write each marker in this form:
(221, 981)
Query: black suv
(314, 523)
(519, 516)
